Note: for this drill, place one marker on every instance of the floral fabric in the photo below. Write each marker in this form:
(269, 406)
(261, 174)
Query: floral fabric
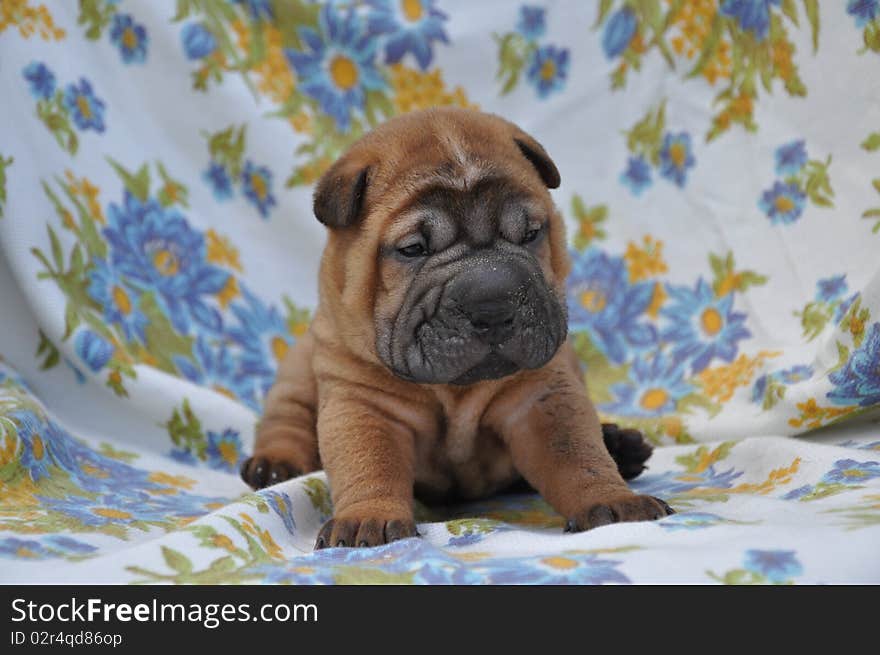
(159, 257)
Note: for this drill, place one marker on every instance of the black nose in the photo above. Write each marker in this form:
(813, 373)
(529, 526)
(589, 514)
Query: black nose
(489, 294)
(492, 319)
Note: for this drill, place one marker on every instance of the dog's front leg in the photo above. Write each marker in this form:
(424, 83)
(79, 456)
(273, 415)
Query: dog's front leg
(368, 457)
(555, 440)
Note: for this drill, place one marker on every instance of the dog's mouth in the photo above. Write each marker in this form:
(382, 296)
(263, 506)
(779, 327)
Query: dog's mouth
(447, 349)
(490, 319)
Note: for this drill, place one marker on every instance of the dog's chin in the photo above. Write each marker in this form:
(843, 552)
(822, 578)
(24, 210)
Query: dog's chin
(493, 367)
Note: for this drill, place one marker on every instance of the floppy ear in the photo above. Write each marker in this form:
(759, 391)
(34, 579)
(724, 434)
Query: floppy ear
(339, 196)
(539, 158)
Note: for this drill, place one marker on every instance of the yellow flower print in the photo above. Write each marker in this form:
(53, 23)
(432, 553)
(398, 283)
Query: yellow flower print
(657, 299)
(813, 416)
(672, 426)
(855, 325)
(720, 382)
(14, 498)
(29, 20)
(221, 251)
(224, 542)
(301, 123)
(781, 53)
(416, 90)
(274, 76)
(645, 262)
(229, 292)
(272, 548)
(83, 188)
(173, 480)
(694, 22)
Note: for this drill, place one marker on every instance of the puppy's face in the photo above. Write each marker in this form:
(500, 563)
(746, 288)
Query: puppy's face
(464, 281)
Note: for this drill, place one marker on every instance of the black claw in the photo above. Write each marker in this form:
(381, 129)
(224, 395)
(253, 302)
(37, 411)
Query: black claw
(341, 543)
(570, 526)
(319, 544)
(665, 506)
(259, 474)
(278, 473)
(363, 544)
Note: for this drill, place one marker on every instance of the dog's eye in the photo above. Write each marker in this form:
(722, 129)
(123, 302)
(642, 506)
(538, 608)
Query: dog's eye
(414, 250)
(531, 235)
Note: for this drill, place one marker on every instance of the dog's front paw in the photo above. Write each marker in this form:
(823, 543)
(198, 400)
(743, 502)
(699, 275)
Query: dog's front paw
(364, 532)
(627, 507)
(259, 472)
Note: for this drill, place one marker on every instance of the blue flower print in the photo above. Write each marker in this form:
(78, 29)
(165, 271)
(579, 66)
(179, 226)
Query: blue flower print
(619, 31)
(42, 80)
(118, 300)
(198, 41)
(676, 157)
(548, 70)
(701, 326)
(778, 566)
(264, 336)
(654, 388)
(130, 38)
(223, 450)
(108, 509)
(791, 158)
(531, 22)
(156, 250)
(84, 106)
(218, 178)
(864, 11)
(783, 203)
(637, 175)
(411, 26)
(217, 369)
(851, 472)
(339, 67)
(566, 568)
(752, 15)
(831, 288)
(603, 302)
(256, 183)
(282, 505)
(47, 547)
(37, 451)
(93, 349)
(858, 382)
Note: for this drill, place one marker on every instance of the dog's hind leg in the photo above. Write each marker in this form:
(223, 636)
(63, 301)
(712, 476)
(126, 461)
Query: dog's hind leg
(286, 443)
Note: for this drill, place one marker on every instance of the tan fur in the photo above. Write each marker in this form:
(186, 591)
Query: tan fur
(380, 436)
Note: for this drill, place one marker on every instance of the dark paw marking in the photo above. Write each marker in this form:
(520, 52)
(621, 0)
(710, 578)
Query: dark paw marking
(629, 449)
(259, 472)
(364, 533)
(623, 509)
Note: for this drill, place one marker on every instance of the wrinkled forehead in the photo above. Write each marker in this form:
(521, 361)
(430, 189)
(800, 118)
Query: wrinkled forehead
(477, 211)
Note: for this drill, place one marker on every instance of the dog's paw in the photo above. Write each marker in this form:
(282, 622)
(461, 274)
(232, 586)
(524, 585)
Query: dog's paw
(364, 533)
(629, 449)
(628, 507)
(259, 472)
